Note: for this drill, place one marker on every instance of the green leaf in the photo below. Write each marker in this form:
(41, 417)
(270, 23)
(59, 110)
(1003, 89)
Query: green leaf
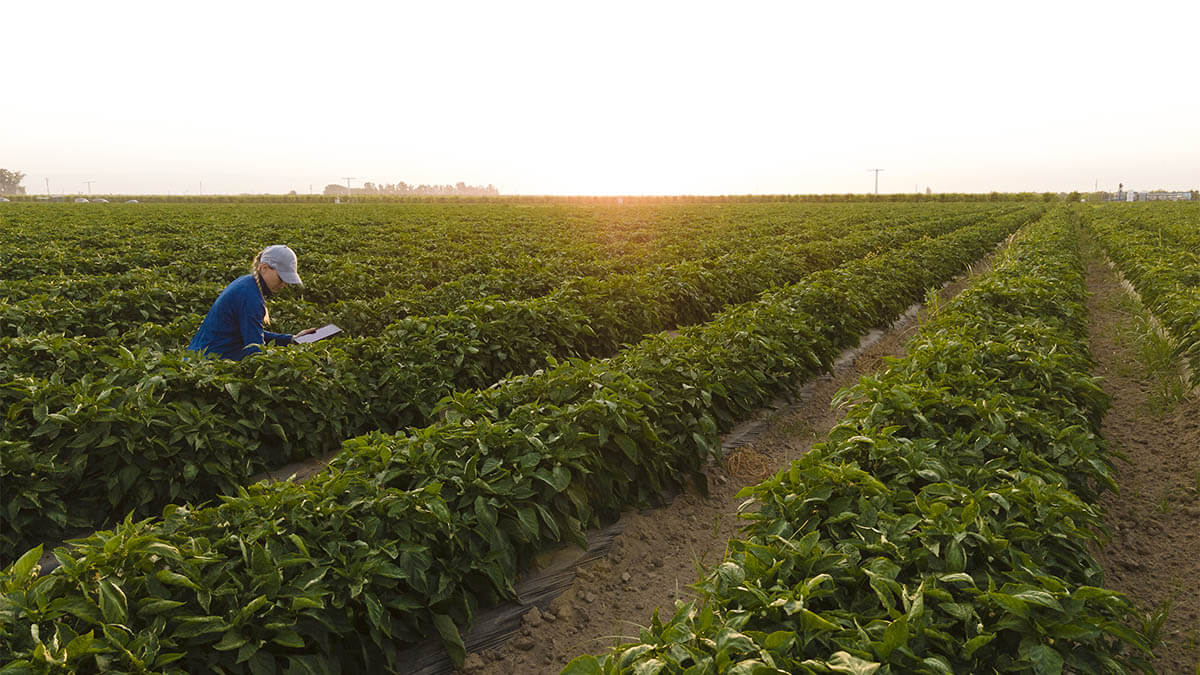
(172, 579)
(917, 609)
(438, 508)
(648, 667)
(79, 606)
(843, 662)
(959, 610)
(730, 575)
(1046, 660)
(1013, 604)
(677, 632)
(779, 640)
(298, 542)
(252, 607)
(192, 626)
(451, 638)
(627, 446)
(544, 474)
(750, 667)
(80, 645)
(529, 521)
(583, 665)
(232, 639)
(21, 667)
(976, 643)
(1039, 597)
(485, 514)
(956, 559)
(813, 622)
(561, 476)
(24, 565)
(629, 656)
(938, 664)
(894, 637)
(731, 639)
(112, 602)
(288, 638)
(957, 576)
(165, 551)
(374, 609)
(158, 605)
(306, 602)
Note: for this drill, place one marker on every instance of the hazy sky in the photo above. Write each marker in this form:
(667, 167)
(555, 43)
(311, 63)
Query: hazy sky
(605, 97)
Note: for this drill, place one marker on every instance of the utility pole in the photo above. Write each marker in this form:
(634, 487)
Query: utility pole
(89, 184)
(47, 187)
(876, 179)
(201, 188)
(348, 179)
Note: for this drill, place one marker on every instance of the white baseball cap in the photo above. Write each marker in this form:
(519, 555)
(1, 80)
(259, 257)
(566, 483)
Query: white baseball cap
(283, 260)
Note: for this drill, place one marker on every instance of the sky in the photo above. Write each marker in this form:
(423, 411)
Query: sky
(603, 98)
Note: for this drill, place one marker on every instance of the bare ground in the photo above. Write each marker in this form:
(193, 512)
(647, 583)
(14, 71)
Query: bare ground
(1154, 553)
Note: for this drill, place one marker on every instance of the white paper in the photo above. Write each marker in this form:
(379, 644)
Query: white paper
(320, 334)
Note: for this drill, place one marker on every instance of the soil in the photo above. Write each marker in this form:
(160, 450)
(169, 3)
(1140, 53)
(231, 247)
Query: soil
(1153, 555)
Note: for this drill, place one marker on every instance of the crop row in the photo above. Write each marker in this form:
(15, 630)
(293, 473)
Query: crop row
(1174, 223)
(944, 527)
(100, 433)
(406, 535)
(109, 306)
(397, 246)
(135, 298)
(403, 245)
(364, 290)
(1165, 271)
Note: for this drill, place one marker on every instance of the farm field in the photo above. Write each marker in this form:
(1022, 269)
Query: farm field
(515, 375)
(175, 431)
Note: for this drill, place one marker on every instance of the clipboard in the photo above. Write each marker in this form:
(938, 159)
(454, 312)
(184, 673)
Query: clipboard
(328, 330)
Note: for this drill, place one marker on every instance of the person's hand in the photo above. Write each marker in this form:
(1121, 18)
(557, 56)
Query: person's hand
(306, 331)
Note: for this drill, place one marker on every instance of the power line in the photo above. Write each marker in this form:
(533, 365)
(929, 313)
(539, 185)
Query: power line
(876, 179)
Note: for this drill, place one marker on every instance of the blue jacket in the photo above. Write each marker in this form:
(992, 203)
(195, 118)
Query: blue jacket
(233, 327)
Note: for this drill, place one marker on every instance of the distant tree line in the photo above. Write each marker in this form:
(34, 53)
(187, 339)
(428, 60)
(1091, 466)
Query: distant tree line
(10, 182)
(815, 198)
(402, 189)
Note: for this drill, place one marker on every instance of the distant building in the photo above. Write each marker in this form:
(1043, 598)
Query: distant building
(1160, 196)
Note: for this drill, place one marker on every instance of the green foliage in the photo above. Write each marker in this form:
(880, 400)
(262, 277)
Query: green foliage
(944, 525)
(406, 535)
(1156, 247)
(100, 427)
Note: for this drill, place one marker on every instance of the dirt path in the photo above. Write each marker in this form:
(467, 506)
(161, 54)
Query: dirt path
(660, 553)
(1154, 553)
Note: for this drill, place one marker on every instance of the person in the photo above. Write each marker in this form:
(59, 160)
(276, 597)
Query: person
(233, 327)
